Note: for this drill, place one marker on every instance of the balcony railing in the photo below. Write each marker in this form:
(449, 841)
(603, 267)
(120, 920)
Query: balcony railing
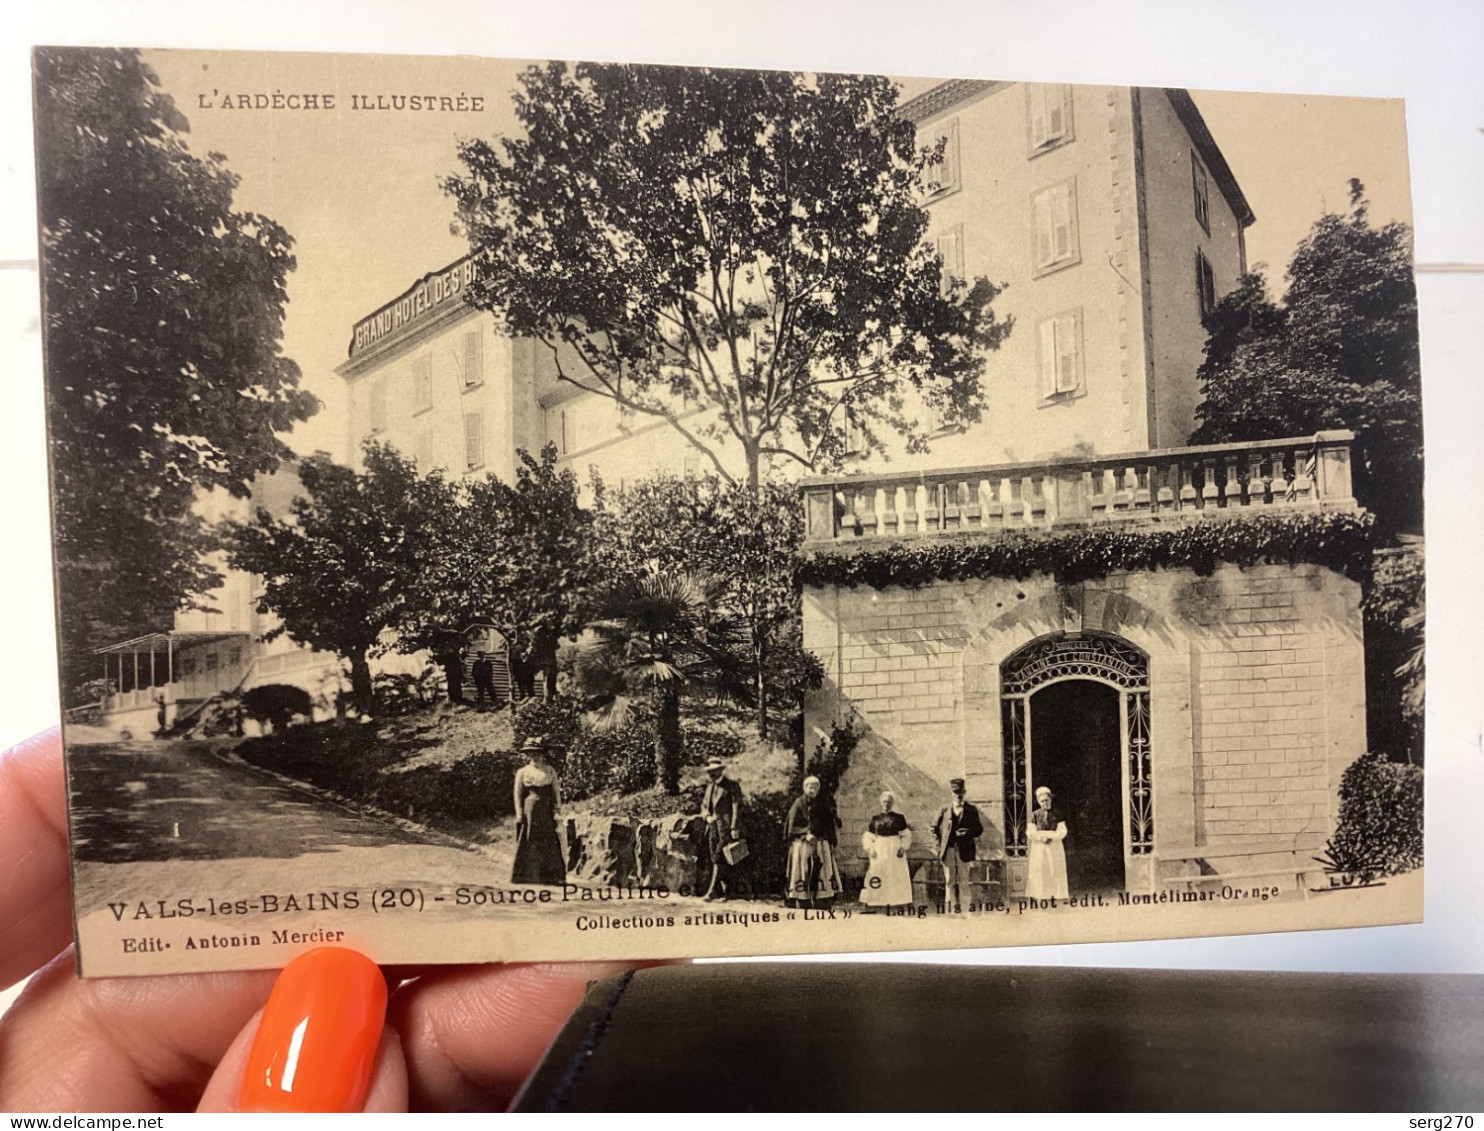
(1225, 480)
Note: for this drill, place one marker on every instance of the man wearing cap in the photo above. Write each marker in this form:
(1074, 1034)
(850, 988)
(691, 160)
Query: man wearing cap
(721, 805)
(958, 829)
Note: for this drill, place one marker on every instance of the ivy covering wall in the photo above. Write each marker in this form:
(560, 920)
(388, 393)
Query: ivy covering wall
(1337, 539)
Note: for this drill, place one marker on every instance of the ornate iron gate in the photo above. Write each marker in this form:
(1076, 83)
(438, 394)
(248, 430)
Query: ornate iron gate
(1107, 660)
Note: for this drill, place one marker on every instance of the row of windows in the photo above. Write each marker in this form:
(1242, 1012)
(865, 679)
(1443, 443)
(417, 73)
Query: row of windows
(417, 379)
(210, 662)
(1048, 111)
(1054, 232)
(426, 457)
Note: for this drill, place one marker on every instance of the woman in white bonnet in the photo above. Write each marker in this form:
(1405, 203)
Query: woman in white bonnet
(885, 843)
(811, 832)
(1046, 855)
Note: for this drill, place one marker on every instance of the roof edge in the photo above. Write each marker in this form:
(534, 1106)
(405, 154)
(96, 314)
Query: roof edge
(1190, 117)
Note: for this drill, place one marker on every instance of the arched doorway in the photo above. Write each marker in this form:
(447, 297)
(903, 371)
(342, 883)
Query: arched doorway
(1077, 750)
(1076, 719)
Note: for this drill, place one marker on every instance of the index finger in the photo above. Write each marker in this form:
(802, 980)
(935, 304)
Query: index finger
(36, 898)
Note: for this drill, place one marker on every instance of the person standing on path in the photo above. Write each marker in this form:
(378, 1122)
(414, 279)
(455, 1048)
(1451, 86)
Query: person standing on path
(958, 829)
(721, 805)
(484, 678)
(812, 832)
(538, 797)
(885, 843)
(1046, 852)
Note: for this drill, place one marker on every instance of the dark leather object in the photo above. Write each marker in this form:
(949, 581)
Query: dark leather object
(796, 1036)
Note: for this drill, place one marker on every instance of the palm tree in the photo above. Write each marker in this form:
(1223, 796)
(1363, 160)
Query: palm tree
(658, 635)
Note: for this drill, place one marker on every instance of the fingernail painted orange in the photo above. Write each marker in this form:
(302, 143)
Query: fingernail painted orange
(316, 1044)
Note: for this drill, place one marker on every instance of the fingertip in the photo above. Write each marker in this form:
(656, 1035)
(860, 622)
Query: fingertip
(319, 1044)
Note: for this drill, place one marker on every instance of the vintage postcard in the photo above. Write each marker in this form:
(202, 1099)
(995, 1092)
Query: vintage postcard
(511, 511)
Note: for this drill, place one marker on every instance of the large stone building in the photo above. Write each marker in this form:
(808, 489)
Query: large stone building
(1108, 212)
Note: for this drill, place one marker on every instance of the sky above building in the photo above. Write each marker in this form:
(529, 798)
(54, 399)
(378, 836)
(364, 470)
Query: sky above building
(358, 184)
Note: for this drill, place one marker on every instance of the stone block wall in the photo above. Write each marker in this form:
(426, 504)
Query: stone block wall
(1256, 695)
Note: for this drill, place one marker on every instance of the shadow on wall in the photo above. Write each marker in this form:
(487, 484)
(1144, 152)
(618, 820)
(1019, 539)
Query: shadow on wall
(875, 765)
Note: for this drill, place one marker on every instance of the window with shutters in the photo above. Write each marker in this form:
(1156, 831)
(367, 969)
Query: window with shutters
(950, 248)
(1054, 212)
(473, 358)
(376, 405)
(422, 383)
(855, 437)
(422, 452)
(473, 440)
(1061, 355)
(940, 176)
(1049, 116)
(692, 467)
(1205, 286)
(1201, 187)
(935, 418)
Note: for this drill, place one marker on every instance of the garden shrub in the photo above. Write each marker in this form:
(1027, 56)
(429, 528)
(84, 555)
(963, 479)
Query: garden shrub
(352, 763)
(619, 760)
(479, 788)
(1379, 832)
(276, 703)
(703, 745)
(402, 693)
(557, 720)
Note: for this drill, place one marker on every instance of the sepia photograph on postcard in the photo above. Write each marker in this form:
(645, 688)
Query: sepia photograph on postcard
(511, 510)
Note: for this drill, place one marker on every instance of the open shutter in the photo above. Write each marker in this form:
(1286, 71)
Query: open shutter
(1061, 219)
(1048, 358)
(1045, 231)
(473, 358)
(422, 382)
(1068, 346)
(950, 249)
(950, 155)
(1056, 114)
(473, 440)
(1036, 97)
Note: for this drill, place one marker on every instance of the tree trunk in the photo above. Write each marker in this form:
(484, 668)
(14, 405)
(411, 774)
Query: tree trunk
(760, 688)
(360, 682)
(667, 741)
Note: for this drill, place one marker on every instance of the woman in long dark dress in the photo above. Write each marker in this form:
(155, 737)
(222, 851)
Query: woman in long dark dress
(538, 796)
(811, 831)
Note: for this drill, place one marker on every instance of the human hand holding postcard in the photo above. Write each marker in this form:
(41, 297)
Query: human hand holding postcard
(486, 494)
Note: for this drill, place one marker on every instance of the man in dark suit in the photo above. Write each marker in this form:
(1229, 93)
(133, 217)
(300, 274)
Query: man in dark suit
(484, 678)
(721, 805)
(958, 829)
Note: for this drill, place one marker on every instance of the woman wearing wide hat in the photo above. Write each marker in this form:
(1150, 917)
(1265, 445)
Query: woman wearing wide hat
(538, 796)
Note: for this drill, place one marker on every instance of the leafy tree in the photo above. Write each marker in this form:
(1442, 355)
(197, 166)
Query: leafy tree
(1395, 611)
(1340, 351)
(748, 243)
(163, 318)
(745, 539)
(660, 636)
(343, 569)
(519, 554)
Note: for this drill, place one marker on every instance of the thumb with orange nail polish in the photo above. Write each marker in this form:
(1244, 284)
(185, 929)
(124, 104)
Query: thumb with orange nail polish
(317, 1042)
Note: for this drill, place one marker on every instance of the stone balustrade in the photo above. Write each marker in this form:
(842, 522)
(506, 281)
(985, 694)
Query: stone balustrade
(1226, 480)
